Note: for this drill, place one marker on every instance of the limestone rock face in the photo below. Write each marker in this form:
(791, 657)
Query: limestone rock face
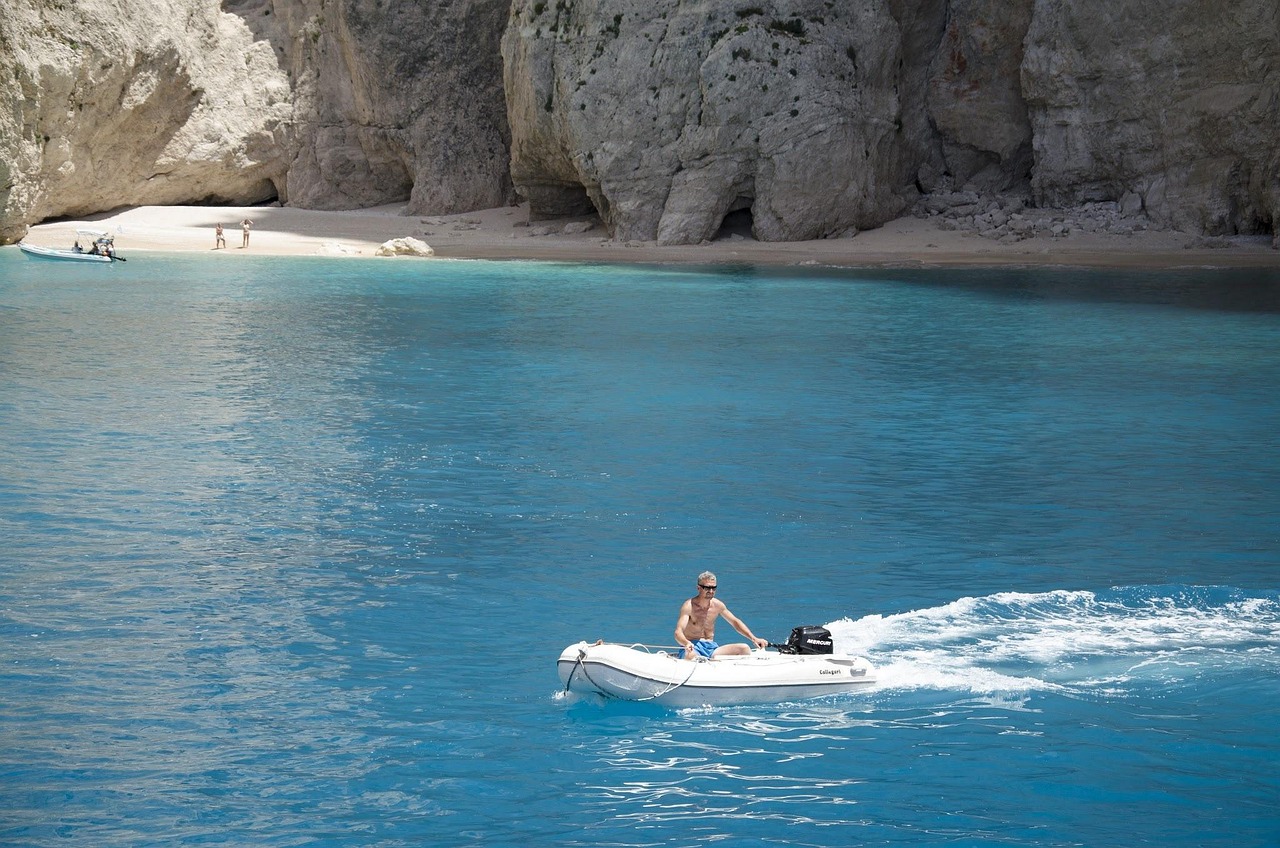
(668, 115)
(975, 93)
(964, 121)
(1175, 103)
(664, 117)
(920, 157)
(329, 104)
(107, 103)
(394, 101)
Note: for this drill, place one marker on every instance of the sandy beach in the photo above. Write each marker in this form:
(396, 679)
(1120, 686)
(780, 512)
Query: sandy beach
(506, 233)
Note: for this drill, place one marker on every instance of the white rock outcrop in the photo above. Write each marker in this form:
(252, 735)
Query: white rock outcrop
(407, 246)
(145, 102)
(328, 104)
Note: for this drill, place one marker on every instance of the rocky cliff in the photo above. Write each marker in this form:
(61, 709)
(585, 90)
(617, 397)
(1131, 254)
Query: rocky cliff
(107, 104)
(822, 117)
(669, 115)
(327, 104)
(392, 101)
(814, 118)
(1173, 105)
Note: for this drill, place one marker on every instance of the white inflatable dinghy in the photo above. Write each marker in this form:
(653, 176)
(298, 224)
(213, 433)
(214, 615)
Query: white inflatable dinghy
(645, 673)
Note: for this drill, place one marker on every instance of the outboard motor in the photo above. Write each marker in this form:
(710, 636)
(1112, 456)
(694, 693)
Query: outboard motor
(809, 639)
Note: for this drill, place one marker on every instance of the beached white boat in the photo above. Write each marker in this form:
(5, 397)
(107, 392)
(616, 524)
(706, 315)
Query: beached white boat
(645, 673)
(102, 249)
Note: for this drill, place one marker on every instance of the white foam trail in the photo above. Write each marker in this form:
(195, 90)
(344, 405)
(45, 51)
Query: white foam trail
(1015, 642)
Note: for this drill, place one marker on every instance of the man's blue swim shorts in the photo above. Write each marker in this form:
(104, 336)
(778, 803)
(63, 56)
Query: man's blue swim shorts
(702, 647)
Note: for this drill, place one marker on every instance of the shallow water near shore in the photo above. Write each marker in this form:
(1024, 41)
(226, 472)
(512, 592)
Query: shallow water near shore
(291, 546)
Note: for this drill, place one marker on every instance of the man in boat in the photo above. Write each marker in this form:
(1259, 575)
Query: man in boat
(696, 627)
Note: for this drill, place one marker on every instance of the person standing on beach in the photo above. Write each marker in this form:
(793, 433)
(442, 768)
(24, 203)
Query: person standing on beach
(219, 240)
(696, 627)
(244, 228)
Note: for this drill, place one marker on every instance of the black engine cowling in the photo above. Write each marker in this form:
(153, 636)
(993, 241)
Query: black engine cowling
(809, 639)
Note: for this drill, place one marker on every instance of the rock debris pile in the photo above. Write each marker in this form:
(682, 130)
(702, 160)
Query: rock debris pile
(1011, 218)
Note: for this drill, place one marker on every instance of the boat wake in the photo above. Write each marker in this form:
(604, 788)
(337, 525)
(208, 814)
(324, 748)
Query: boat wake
(1073, 641)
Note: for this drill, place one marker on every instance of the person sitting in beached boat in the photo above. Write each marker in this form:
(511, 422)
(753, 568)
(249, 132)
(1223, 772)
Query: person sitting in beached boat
(102, 247)
(76, 248)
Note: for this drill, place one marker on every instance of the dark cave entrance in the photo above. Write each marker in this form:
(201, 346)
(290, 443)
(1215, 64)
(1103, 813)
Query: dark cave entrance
(549, 201)
(738, 223)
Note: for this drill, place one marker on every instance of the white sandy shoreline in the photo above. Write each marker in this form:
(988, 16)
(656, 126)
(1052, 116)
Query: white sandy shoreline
(504, 233)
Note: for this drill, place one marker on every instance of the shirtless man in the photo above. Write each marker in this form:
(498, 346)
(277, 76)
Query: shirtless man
(696, 627)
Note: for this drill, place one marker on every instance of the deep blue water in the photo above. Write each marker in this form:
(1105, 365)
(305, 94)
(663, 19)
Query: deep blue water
(290, 548)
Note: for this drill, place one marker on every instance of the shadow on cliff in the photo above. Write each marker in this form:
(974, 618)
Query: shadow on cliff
(259, 18)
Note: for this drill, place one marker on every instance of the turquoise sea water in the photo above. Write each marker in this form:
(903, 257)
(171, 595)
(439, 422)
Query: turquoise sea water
(290, 548)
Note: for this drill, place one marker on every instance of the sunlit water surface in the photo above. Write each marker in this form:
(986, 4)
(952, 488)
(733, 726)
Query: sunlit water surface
(290, 548)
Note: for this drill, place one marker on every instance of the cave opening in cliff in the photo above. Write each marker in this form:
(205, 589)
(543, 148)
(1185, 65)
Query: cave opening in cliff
(267, 197)
(738, 222)
(550, 201)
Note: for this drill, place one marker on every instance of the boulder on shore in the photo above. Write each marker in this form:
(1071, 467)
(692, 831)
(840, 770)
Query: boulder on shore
(404, 247)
